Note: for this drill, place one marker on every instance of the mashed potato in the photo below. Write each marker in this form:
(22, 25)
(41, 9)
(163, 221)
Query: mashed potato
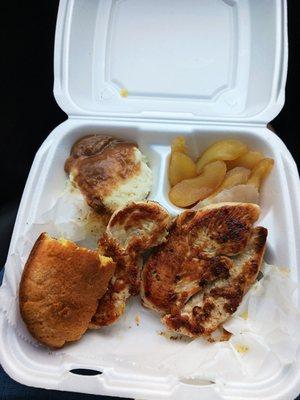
(135, 188)
(110, 172)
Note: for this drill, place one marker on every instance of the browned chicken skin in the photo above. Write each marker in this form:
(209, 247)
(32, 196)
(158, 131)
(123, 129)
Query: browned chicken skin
(198, 277)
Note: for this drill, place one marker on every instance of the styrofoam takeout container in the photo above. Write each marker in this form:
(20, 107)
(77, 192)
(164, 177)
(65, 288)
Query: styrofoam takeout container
(206, 69)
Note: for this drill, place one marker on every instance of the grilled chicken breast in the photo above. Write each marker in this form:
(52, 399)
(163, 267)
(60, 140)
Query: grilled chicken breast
(198, 277)
(131, 231)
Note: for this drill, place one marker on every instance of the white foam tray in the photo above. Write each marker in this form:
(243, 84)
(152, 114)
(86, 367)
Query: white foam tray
(205, 69)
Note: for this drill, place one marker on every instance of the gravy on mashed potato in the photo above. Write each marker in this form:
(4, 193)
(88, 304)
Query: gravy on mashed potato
(110, 172)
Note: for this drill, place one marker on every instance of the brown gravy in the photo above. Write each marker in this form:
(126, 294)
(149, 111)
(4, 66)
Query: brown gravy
(99, 164)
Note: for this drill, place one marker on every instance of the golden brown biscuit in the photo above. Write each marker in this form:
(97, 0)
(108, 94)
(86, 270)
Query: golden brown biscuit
(60, 288)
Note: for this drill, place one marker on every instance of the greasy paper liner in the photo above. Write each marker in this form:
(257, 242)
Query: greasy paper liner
(264, 328)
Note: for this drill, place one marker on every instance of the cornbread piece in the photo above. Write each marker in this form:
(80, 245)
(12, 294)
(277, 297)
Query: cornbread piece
(131, 231)
(110, 172)
(198, 277)
(60, 288)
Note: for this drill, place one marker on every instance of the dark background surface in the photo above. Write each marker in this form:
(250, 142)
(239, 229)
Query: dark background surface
(29, 113)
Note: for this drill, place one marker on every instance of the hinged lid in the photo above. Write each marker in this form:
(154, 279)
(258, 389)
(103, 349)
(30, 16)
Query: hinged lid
(208, 60)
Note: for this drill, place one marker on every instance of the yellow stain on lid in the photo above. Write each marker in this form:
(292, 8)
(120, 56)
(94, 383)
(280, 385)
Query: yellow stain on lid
(244, 315)
(124, 92)
(241, 348)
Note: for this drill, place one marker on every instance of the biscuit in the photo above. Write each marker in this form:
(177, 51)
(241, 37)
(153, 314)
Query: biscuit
(60, 288)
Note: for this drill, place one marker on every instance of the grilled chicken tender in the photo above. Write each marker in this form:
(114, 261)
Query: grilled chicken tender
(60, 288)
(198, 277)
(131, 231)
(110, 172)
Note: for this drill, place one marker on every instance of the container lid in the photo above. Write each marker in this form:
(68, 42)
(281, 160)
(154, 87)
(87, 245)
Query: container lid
(208, 60)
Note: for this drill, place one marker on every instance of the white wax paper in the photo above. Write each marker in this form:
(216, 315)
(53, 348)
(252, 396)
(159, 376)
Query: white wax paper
(264, 328)
(239, 193)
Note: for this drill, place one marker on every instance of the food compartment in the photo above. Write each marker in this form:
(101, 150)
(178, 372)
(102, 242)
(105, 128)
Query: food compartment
(199, 140)
(55, 177)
